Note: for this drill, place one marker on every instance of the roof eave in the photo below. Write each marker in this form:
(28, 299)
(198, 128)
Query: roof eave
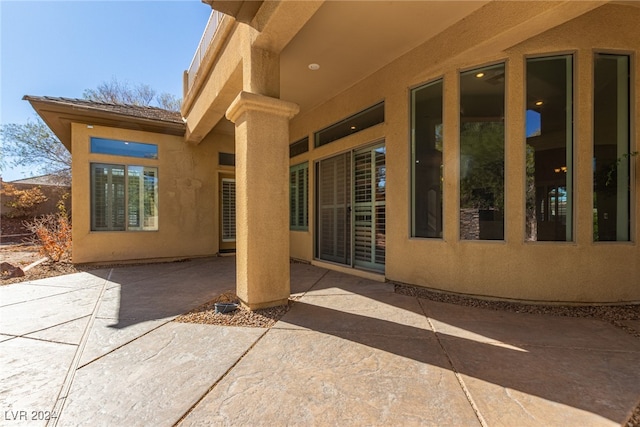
(59, 116)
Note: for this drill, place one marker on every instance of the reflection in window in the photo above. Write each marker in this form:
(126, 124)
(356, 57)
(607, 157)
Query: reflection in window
(482, 153)
(124, 148)
(365, 119)
(549, 150)
(119, 204)
(426, 160)
(611, 195)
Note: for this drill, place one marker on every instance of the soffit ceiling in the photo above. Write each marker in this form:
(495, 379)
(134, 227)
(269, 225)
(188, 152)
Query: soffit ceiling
(352, 39)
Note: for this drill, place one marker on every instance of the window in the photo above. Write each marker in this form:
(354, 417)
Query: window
(226, 159)
(611, 148)
(124, 148)
(298, 195)
(353, 124)
(482, 153)
(123, 198)
(549, 149)
(228, 210)
(299, 147)
(426, 160)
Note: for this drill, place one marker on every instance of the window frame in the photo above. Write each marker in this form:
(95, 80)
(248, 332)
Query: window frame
(412, 147)
(573, 127)
(505, 104)
(112, 227)
(632, 142)
(105, 150)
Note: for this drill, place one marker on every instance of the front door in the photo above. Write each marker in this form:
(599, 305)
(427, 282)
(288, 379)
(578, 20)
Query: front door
(351, 208)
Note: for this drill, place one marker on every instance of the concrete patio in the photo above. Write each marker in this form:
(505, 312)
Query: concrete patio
(100, 348)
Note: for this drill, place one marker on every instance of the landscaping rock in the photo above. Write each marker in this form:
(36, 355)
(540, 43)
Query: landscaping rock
(10, 271)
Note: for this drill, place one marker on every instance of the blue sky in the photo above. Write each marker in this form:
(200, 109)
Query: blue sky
(61, 48)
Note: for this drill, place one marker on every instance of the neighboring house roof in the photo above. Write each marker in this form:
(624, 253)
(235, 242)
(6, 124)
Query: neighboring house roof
(59, 113)
(52, 180)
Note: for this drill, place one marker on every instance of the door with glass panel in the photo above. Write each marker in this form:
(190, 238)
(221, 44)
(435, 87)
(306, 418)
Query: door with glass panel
(351, 208)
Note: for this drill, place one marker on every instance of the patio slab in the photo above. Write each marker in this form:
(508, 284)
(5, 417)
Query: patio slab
(42, 313)
(22, 292)
(67, 333)
(484, 325)
(635, 324)
(31, 376)
(157, 378)
(74, 281)
(310, 378)
(350, 351)
(6, 337)
(552, 386)
(336, 283)
(304, 277)
(104, 337)
(386, 314)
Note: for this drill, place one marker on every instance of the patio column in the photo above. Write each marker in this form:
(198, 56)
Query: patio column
(262, 198)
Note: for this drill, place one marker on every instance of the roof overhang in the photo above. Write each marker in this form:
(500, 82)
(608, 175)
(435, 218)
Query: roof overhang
(59, 114)
(241, 10)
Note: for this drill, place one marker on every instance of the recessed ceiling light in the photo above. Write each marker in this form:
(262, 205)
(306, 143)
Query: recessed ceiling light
(480, 75)
(539, 103)
(314, 67)
(353, 128)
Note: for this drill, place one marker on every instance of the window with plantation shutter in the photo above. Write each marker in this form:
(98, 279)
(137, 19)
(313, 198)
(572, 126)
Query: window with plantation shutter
(298, 194)
(228, 210)
(123, 198)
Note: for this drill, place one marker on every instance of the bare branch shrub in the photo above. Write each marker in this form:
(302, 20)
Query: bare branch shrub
(52, 233)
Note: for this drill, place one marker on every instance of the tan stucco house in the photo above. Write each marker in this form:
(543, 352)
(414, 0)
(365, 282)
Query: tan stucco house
(481, 147)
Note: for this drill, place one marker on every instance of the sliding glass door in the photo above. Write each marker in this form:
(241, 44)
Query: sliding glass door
(351, 208)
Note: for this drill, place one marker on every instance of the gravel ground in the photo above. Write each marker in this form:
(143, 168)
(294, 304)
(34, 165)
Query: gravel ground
(264, 318)
(613, 314)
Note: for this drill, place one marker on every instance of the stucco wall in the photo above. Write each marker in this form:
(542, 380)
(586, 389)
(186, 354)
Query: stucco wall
(579, 271)
(187, 197)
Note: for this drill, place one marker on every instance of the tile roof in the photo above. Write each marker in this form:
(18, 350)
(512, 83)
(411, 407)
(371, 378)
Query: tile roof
(137, 111)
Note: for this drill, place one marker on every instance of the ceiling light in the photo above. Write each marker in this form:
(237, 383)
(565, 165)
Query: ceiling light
(480, 75)
(539, 103)
(353, 128)
(314, 67)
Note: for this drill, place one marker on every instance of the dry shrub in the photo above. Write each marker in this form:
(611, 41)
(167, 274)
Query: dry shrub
(52, 233)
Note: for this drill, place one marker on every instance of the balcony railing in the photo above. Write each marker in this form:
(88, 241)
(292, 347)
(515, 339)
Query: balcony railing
(209, 31)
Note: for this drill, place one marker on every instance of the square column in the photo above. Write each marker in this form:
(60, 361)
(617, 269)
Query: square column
(262, 198)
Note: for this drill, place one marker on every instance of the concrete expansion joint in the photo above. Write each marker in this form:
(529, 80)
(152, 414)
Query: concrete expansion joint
(124, 343)
(44, 340)
(58, 407)
(463, 386)
(223, 376)
(315, 283)
(71, 290)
